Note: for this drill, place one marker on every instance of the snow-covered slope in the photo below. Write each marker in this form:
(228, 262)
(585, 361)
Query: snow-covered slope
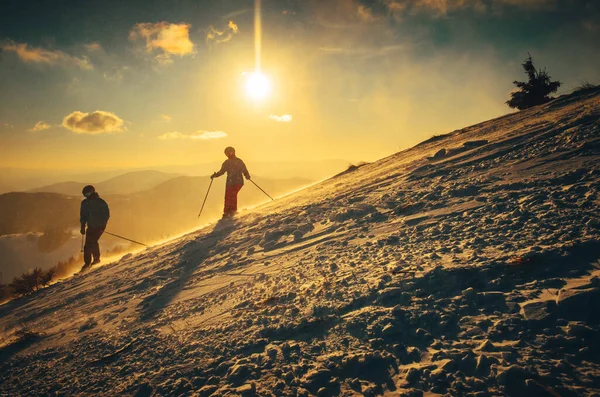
(472, 269)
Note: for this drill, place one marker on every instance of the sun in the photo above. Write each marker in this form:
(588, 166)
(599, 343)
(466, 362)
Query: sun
(258, 86)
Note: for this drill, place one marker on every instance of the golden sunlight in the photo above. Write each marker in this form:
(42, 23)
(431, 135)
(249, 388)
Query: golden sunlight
(258, 86)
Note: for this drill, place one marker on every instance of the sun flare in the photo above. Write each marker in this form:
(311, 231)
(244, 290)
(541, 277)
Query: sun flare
(258, 86)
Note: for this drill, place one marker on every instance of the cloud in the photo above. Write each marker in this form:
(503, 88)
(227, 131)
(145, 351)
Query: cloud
(97, 122)
(286, 118)
(41, 56)
(203, 135)
(40, 126)
(221, 36)
(369, 10)
(167, 38)
(535, 4)
(165, 117)
(350, 14)
(232, 26)
(91, 47)
(172, 135)
(208, 135)
(399, 8)
(366, 14)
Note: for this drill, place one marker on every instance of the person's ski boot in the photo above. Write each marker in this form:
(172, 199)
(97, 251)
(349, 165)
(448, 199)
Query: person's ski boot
(96, 261)
(85, 268)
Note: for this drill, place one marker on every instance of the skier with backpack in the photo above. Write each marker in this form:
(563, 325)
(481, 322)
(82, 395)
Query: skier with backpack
(94, 213)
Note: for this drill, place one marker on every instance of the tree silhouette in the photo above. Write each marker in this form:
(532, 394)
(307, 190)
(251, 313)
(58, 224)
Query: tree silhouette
(535, 91)
(32, 281)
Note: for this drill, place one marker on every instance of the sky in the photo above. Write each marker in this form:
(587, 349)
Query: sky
(104, 84)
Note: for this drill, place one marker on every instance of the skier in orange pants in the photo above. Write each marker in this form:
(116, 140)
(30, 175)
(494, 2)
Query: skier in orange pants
(235, 168)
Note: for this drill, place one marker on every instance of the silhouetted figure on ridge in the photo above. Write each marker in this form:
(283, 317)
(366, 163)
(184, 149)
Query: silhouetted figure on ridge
(95, 213)
(235, 168)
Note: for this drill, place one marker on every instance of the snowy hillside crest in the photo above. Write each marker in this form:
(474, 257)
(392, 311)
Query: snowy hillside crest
(467, 264)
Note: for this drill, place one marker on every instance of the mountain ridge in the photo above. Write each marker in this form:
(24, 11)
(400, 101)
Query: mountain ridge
(19, 180)
(127, 183)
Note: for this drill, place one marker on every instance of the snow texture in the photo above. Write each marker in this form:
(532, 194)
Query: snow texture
(467, 265)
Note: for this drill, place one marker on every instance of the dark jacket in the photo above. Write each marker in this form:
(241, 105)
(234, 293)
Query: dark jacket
(94, 211)
(235, 168)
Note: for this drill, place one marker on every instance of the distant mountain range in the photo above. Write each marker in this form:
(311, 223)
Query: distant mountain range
(69, 181)
(131, 182)
(314, 170)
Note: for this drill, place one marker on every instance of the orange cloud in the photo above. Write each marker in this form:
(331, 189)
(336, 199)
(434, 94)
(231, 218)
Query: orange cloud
(203, 135)
(365, 14)
(169, 38)
(41, 56)
(232, 26)
(222, 36)
(40, 126)
(97, 122)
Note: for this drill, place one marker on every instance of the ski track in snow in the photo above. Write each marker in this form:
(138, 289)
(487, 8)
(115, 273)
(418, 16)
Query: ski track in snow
(472, 270)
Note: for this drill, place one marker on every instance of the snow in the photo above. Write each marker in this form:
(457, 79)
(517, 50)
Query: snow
(473, 269)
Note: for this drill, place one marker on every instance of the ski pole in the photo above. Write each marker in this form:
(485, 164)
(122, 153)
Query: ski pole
(82, 237)
(261, 189)
(133, 241)
(205, 197)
